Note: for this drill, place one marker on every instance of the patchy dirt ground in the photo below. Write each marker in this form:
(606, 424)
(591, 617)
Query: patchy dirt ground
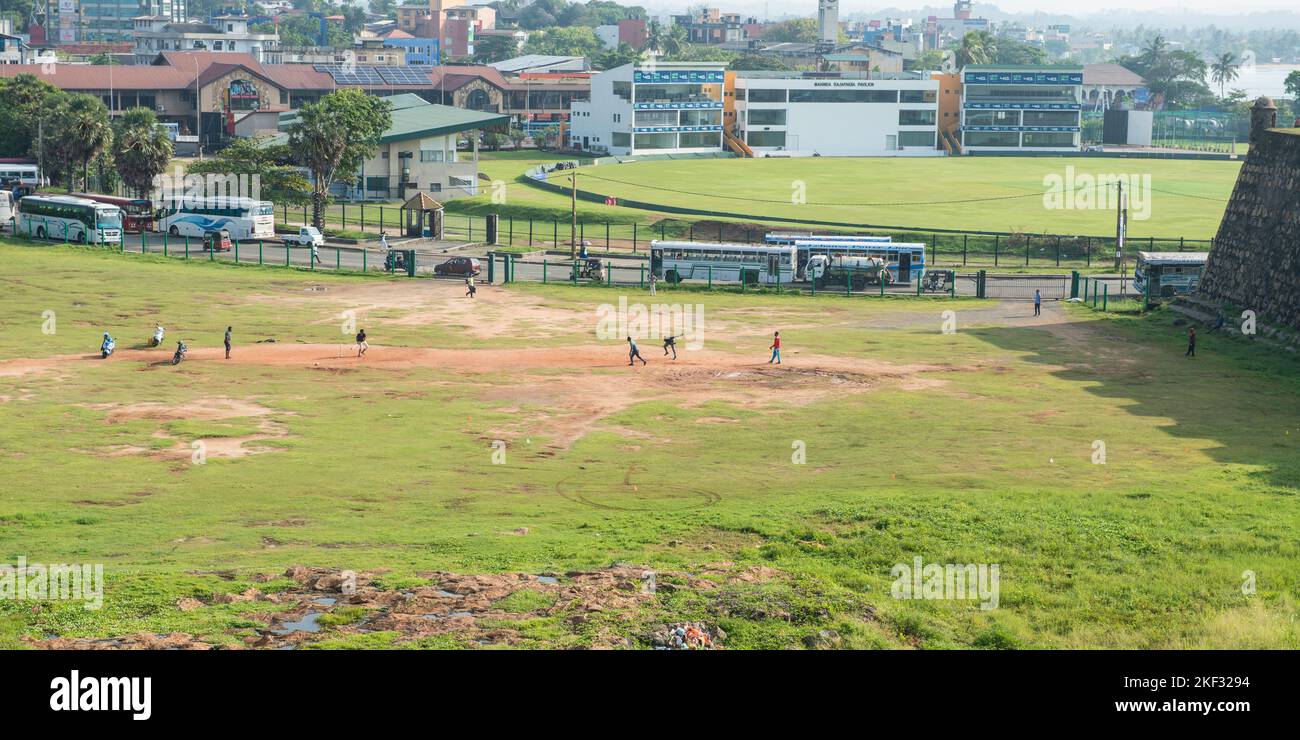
(478, 609)
(202, 409)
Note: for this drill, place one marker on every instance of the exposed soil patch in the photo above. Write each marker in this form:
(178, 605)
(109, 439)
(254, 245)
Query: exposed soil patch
(203, 409)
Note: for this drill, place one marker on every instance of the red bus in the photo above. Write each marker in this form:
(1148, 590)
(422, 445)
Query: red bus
(137, 213)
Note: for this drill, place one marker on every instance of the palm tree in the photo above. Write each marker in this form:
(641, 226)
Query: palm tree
(977, 47)
(675, 41)
(654, 35)
(1155, 52)
(79, 133)
(1224, 70)
(141, 149)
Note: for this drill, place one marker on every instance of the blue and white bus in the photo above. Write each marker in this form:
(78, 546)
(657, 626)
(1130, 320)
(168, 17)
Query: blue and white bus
(749, 263)
(70, 219)
(242, 218)
(780, 238)
(905, 261)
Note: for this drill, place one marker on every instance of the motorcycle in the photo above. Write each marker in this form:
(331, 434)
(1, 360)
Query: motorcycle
(181, 350)
(394, 260)
(157, 338)
(108, 346)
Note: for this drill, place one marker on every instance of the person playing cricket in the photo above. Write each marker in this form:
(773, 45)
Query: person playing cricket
(670, 342)
(362, 344)
(633, 353)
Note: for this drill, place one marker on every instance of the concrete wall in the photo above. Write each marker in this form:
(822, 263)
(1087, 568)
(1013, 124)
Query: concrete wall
(1255, 262)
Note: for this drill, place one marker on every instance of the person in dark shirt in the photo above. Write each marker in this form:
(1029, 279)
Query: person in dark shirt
(1191, 342)
(362, 344)
(228, 342)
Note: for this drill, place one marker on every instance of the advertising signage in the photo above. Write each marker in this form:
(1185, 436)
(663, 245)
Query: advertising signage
(695, 76)
(1024, 78)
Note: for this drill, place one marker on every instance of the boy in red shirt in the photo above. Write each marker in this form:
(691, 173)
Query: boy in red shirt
(776, 348)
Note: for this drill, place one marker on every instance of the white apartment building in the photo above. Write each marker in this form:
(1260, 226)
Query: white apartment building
(225, 33)
(660, 108)
(844, 114)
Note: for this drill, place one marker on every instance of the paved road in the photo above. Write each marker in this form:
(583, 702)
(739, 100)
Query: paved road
(624, 270)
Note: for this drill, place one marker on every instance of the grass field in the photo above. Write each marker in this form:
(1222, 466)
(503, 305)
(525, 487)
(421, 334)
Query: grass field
(970, 447)
(1002, 194)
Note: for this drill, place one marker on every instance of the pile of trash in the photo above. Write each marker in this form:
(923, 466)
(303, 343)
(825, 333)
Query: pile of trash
(688, 636)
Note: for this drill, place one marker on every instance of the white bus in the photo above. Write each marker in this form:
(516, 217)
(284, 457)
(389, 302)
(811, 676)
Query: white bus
(752, 264)
(67, 218)
(26, 174)
(6, 209)
(905, 261)
(243, 218)
(776, 237)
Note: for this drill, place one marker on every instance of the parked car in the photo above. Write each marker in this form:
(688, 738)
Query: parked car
(459, 266)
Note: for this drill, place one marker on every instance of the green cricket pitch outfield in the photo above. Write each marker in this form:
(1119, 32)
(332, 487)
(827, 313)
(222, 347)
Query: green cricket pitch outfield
(495, 475)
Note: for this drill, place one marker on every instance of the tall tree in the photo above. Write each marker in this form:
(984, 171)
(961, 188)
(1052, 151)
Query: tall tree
(977, 47)
(1224, 70)
(21, 101)
(141, 149)
(75, 131)
(280, 178)
(333, 137)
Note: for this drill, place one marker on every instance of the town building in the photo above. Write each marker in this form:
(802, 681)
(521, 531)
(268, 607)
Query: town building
(1107, 86)
(223, 34)
(1010, 108)
(630, 31)
(712, 27)
(419, 152)
(452, 22)
(837, 115)
(664, 108)
(938, 32)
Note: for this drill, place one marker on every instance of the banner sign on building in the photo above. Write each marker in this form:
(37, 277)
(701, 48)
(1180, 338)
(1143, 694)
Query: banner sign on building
(680, 76)
(1024, 78)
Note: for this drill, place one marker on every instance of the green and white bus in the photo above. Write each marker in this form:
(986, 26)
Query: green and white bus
(71, 219)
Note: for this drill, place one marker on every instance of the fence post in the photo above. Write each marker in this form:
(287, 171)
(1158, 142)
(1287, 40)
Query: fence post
(1105, 295)
(338, 258)
(510, 236)
(1058, 250)
(259, 251)
(710, 277)
(965, 244)
(543, 271)
(187, 246)
(555, 232)
(641, 278)
(1028, 239)
(236, 252)
(606, 236)
(365, 254)
(530, 231)
(1087, 245)
(996, 243)
(634, 237)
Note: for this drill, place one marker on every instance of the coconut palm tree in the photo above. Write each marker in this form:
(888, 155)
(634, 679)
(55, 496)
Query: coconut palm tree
(141, 149)
(1224, 70)
(977, 47)
(79, 132)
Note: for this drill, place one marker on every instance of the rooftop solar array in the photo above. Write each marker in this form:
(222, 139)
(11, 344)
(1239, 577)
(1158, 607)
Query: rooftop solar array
(404, 75)
(366, 75)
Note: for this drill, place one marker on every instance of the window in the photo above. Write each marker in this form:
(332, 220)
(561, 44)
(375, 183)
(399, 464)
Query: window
(766, 96)
(1049, 138)
(991, 138)
(916, 96)
(430, 155)
(774, 117)
(618, 118)
(916, 138)
(844, 96)
(377, 185)
(700, 141)
(766, 138)
(916, 118)
(621, 139)
(1051, 118)
(435, 187)
(740, 93)
(993, 118)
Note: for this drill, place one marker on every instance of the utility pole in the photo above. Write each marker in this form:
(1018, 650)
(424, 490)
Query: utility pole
(573, 212)
(1120, 224)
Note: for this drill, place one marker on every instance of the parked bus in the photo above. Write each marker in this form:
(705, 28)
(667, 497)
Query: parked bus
(137, 213)
(752, 264)
(73, 219)
(1167, 274)
(243, 218)
(779, 238)
(6, 210)
(905, 261)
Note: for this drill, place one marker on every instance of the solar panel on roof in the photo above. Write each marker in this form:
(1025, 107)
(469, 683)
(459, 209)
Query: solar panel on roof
(403, 76)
